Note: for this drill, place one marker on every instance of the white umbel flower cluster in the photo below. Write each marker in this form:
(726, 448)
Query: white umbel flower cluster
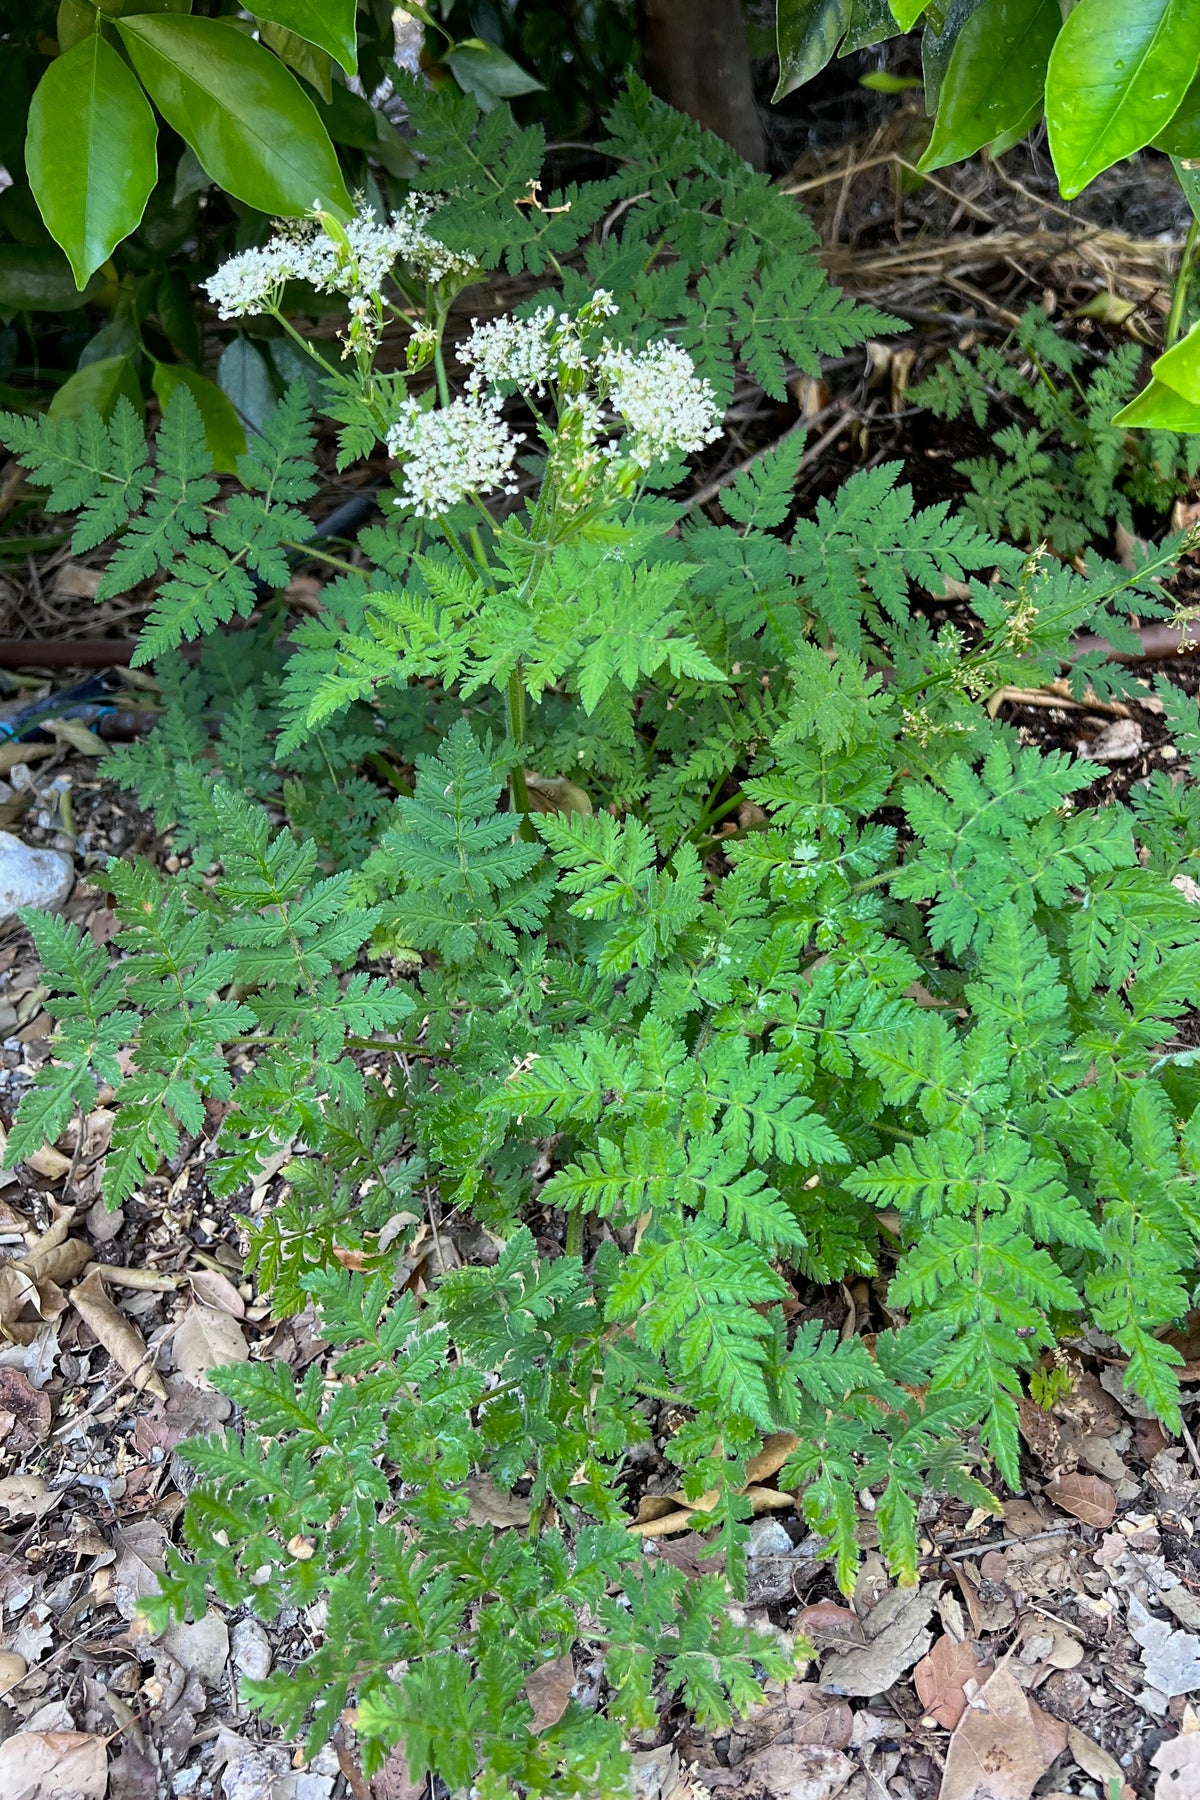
(517, 351)
(464, 448)
(250, 282)
(531, 353)
(668, 409)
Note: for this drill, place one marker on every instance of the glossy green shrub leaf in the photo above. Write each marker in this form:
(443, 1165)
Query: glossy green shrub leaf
(870, 22)
(1159, 408)
(1181, 135)
(1179, 367)
(99, 385)
(1117, 76)
(327, 23)
(937, 47)
(90, 152)
(1188, 177)
(995, 78)
(311, 64)
(907, 12)
(807, 33)
(487, 73)
(38, 278)
(250, 123)
(222, 427)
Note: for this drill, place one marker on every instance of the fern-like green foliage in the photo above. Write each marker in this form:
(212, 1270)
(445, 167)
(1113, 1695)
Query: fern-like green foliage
(1064, 474)
(660, 885)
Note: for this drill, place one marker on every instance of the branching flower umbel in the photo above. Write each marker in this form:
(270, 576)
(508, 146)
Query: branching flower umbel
(460, 449)
(355, 259)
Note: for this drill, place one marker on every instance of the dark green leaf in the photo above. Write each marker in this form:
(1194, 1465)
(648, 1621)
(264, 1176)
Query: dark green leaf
(870, 22)
(190, 178)
(327, 23)
(996, 76)
(1117, 76)
(99, 385)
(1188, 178)
(90, 152)
(937, 47)
(177, 314)
(222, 427)
(1181, 135)
(807, 32)
(117, 338)
(245, 380)
(487, 73)
(250, 123)
(38, 278)
(309, 62)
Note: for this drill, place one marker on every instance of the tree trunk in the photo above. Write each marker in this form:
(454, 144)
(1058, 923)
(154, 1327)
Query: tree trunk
(694, 55)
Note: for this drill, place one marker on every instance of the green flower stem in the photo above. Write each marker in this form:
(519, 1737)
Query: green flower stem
(1183, 281)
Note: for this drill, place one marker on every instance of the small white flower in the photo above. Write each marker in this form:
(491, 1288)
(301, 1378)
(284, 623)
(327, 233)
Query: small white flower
(460, 449)
(667, 407)
(520, 351)
(247, 283)
(416, 245)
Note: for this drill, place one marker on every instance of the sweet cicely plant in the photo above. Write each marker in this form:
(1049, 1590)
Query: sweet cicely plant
(651, 892)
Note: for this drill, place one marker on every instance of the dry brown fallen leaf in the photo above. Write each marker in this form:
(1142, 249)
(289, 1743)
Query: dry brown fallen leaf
(26, 1496)
(392, 1783)
(785, 1772)
(118, 1334)
(940, 1678)
(1002, 1746)
(1085, 1497)
(548, 1689)
(54, 1765)
(1178, 1765)
(24, 1412)
(897, 1636)
(491, 1505)
(217, 1291)
(1097, 1763)
(207, 1339)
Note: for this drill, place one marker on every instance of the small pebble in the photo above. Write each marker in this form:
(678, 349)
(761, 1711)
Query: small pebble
(29, 877)
(251, 1651)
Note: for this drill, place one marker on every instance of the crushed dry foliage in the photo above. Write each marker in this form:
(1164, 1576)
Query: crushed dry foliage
(1056, 1649)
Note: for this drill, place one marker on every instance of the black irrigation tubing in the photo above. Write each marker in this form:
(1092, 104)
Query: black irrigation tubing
(111, 653)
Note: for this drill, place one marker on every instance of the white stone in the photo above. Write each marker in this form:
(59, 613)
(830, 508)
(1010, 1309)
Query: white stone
(251, 1650)
(31, 877)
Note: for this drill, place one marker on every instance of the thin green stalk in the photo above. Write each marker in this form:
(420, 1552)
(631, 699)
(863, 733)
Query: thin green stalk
(1183, 281)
